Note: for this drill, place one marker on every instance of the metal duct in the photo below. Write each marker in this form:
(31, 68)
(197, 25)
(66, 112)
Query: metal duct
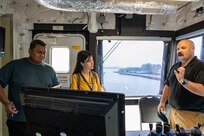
(161, 7)
(92, 25)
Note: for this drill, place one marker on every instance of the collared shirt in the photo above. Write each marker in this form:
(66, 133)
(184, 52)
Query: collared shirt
(93, 82)
(180, 97)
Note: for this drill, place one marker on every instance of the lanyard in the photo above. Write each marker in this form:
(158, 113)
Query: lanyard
(91, 88)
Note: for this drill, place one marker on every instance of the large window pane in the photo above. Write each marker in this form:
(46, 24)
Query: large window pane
(132, 67)
(198, 46)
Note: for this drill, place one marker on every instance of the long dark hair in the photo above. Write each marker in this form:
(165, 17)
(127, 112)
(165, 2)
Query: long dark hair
(81, 57)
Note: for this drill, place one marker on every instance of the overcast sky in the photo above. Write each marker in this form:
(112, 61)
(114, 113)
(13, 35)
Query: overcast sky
(133, 53)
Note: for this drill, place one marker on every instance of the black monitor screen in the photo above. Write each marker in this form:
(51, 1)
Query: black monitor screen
(2, 41)
(61, 112)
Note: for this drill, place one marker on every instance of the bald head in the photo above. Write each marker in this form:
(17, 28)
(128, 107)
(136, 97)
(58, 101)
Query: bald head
(185, 50)
(186, 43)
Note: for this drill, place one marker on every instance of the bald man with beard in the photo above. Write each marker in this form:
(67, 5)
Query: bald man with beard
(184, 89)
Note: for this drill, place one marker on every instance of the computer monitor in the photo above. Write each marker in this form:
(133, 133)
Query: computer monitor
(61, 112)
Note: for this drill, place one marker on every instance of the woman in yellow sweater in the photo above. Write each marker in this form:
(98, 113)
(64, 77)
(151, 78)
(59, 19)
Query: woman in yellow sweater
(83, 78)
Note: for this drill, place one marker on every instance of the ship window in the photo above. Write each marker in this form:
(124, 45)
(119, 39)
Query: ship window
(60, 59)
(135, 68)
(198, 47)
(132, 67)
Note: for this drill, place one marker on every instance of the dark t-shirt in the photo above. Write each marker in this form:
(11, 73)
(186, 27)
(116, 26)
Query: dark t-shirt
(181, 98)
(19, 73)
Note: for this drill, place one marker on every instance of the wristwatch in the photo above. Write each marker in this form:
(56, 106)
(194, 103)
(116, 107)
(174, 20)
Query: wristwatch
(185, 81)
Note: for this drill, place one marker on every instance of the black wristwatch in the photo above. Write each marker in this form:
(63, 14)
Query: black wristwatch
(185, 81)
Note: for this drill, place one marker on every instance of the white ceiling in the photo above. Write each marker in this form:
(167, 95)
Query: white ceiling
(148, 7)
(27, 12)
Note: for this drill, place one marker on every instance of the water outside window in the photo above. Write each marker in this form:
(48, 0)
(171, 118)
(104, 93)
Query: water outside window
(132, 67)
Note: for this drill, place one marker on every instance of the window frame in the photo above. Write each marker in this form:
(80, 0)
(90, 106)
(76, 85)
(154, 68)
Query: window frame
(167, 41)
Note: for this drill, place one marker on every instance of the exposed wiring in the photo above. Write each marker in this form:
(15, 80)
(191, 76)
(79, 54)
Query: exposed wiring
(75, 20)
(150, 21)
(101, 26)
(60, 14)
(183, 6)
(87, 17)
(78, 18)
(102, 20)
(87, 22)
